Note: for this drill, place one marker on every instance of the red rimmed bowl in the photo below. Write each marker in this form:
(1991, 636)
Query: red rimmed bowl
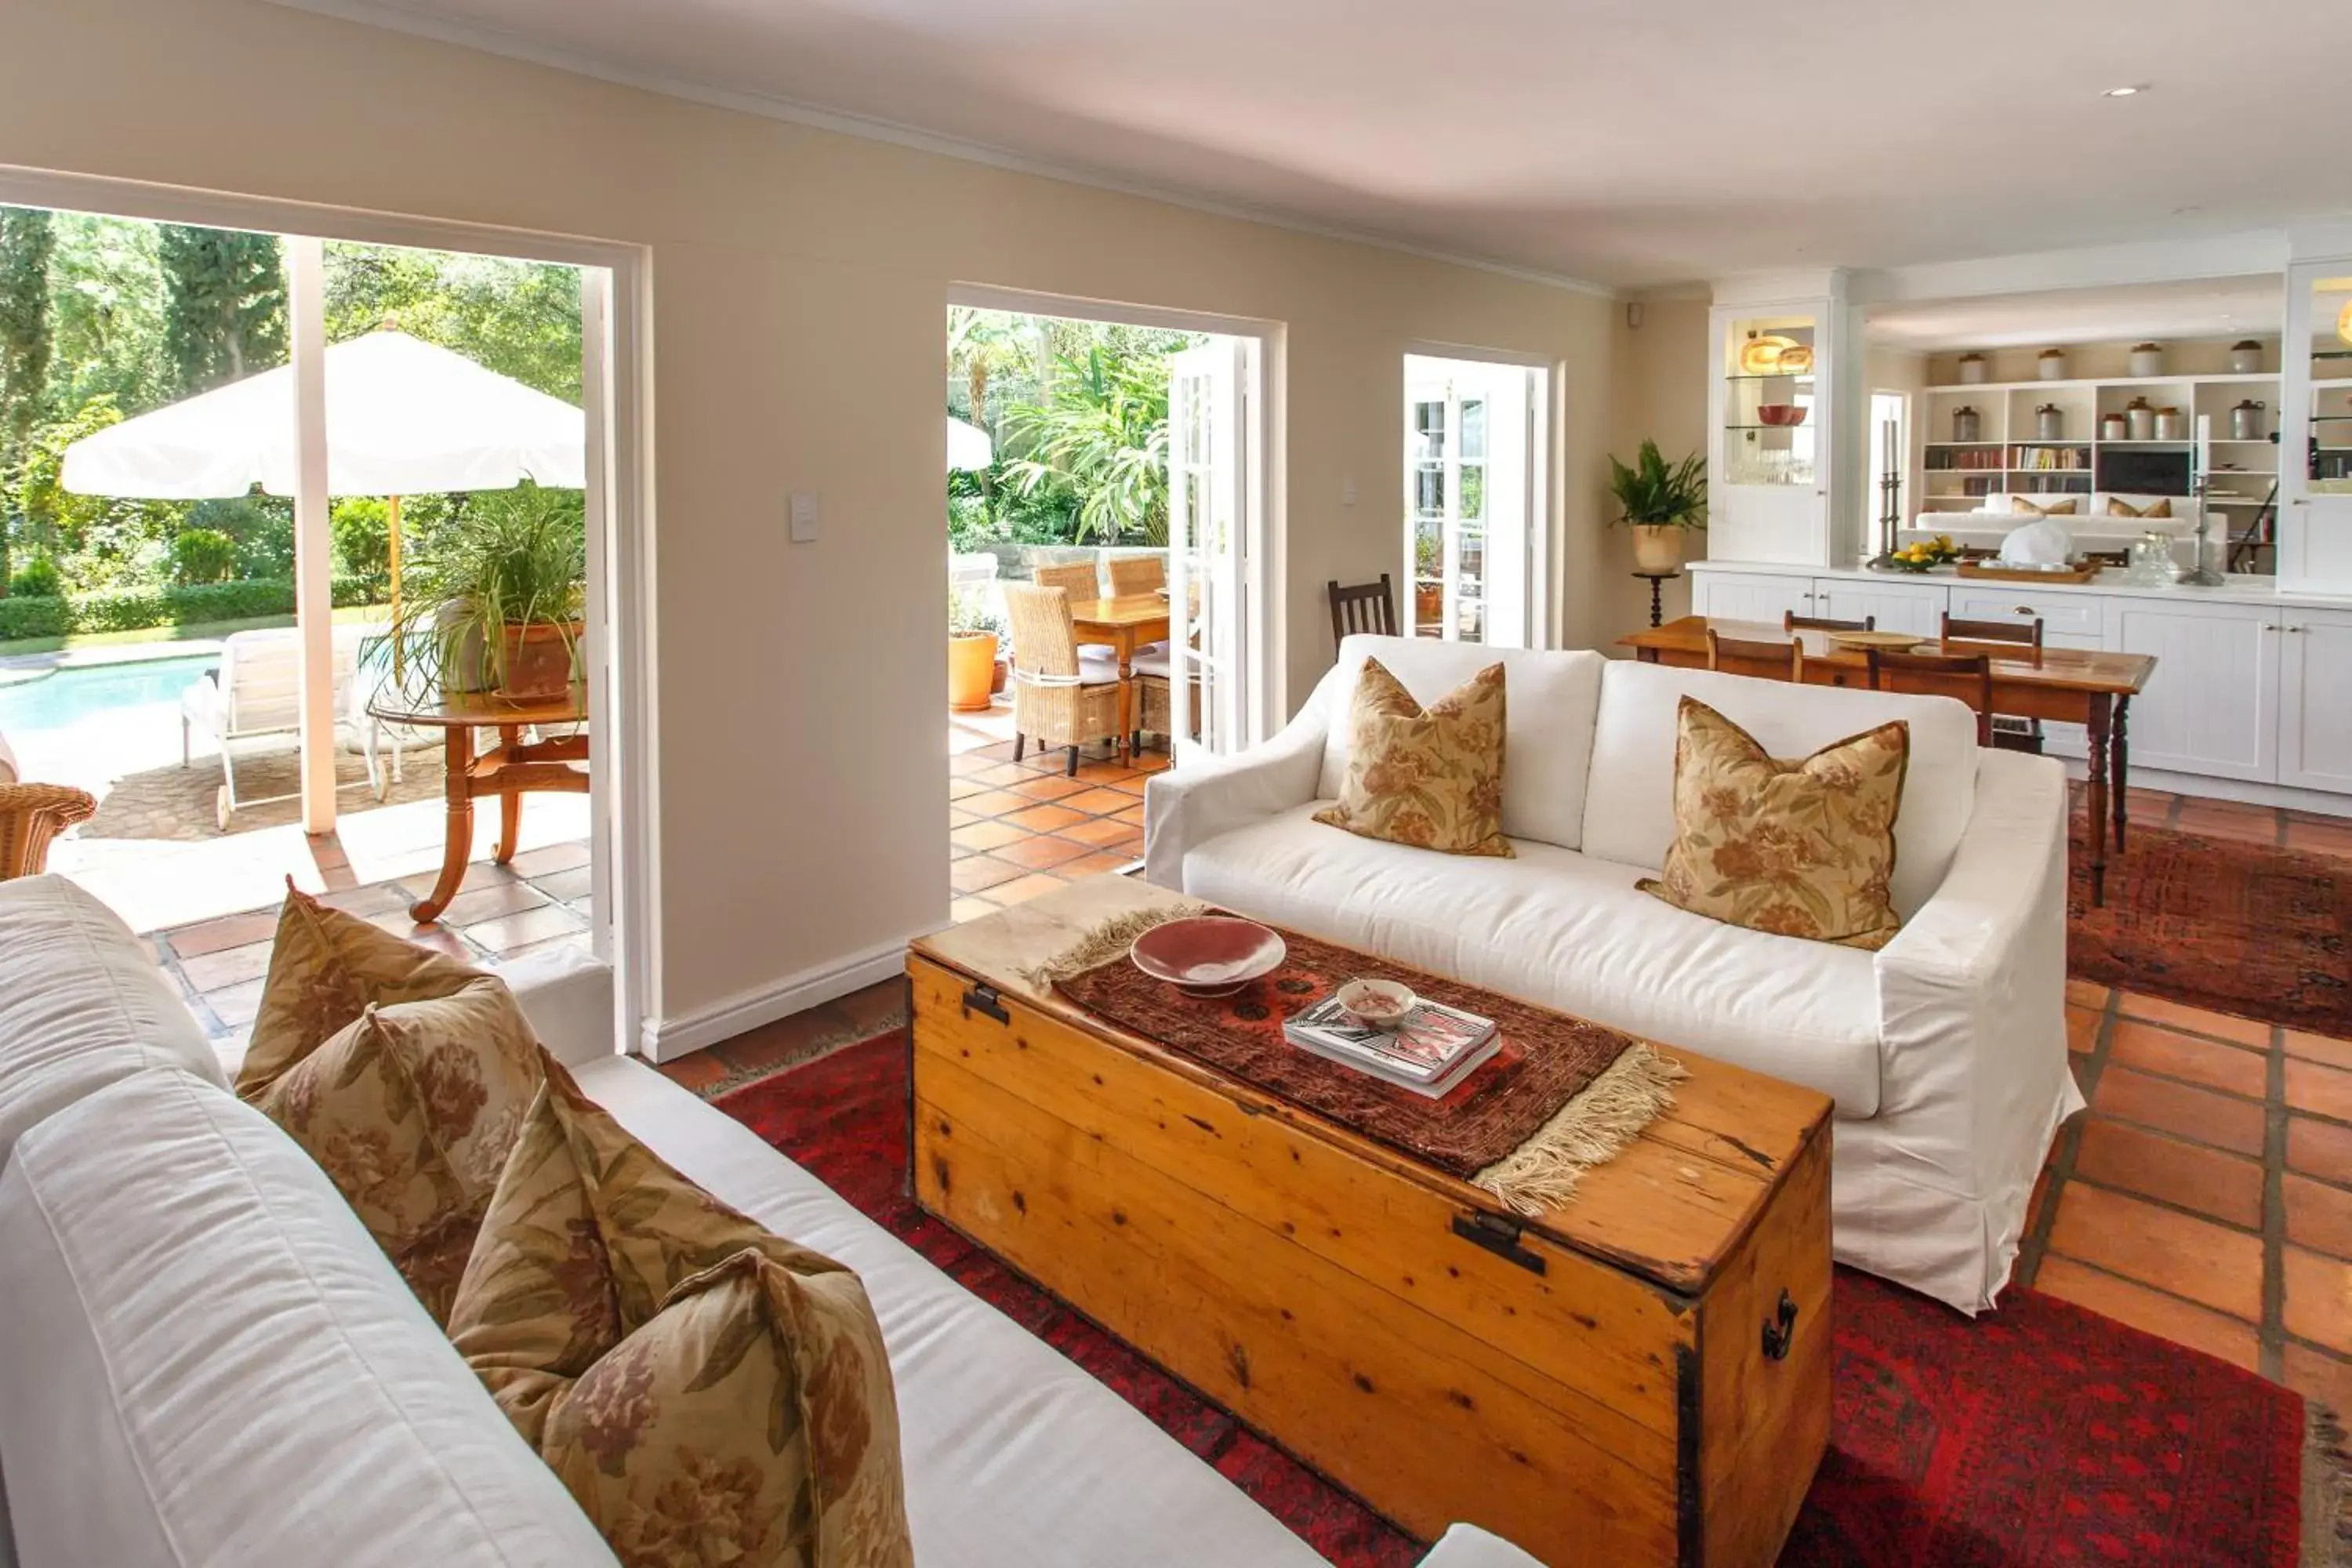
(1209, 955)
(1782, 413)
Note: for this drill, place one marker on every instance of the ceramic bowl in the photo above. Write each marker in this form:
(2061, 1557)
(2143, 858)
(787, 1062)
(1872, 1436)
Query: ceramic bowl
(1377, 1003)
(1210, 955)
(1782, 413)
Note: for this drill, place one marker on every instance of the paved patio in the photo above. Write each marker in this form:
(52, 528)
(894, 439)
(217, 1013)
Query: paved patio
(1023, 828)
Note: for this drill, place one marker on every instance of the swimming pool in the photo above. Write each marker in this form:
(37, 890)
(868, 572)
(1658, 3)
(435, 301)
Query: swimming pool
(97, 722)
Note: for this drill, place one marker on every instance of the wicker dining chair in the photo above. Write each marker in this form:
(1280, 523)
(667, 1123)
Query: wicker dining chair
(1764, 660)
(1968, 676)
(1080, 580)
(1132, 575)
(1058, 699)
(30, 816)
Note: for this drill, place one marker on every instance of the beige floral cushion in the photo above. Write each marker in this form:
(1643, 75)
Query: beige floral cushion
(411, 1110)
(1803, 848)
(1432, 778)
(710, 1392)
(325, 967)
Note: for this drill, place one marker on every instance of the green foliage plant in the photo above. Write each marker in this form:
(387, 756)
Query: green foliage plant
(1104, 431)
(1654, 494)
(518, 558)
(39, 578)
(203, 555)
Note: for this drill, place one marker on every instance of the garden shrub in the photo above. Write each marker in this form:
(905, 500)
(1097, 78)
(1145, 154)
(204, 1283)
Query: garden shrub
(138, 610)
(363, 533)
(203, 555)
(38, 579)
(34, 615)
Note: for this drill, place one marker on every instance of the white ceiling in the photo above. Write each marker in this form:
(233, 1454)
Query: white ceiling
(2207, 307)
(1631, 143)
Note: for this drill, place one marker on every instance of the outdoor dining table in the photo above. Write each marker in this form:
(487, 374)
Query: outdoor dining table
(1123, 625)
(509, 769)
(2077, 686)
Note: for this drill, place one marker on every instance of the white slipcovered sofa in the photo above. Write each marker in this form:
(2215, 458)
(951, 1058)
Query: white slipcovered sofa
(1945, 1052)
(209, 1363)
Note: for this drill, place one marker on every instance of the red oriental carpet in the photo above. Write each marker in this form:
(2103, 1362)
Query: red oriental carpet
(2240, 927)
(2040, 1434)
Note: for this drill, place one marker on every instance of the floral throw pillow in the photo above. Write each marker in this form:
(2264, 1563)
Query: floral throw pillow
(708, 1392)
(412, 1109)
(1433, 777)
(1797, 849)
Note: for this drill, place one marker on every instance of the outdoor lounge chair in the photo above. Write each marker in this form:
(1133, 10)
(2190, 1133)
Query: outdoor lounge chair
(257, 695)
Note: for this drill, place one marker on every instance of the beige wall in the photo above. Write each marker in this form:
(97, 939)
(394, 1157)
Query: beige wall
(1661, 367)
(800, 280)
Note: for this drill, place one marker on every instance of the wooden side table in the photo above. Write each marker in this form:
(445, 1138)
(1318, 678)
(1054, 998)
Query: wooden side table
(1657, 580)
(509, 769)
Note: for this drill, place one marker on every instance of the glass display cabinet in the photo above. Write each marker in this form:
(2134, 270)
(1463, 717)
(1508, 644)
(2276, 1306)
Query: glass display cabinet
(2314, 434)
(1776, 403)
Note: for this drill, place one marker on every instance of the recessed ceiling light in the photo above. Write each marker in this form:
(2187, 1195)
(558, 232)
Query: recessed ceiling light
(2133, 90)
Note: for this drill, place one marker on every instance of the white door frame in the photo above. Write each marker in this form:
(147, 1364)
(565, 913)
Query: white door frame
(1266, 627)
(1546, 437)
(617, 366)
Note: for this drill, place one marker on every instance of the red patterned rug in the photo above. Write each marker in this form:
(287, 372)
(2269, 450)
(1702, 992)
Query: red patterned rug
(2040, 1434)
(2214, 922)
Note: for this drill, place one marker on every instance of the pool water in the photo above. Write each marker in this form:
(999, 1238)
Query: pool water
(93, 724)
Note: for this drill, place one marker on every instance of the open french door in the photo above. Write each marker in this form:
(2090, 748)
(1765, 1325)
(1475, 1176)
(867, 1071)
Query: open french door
(1213, 609)
(1475, 522)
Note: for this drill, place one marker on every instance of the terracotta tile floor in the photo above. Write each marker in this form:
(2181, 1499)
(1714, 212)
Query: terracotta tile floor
(1019, 829)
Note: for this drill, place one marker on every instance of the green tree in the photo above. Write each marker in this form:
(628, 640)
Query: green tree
(226, 304)
(26, 241)
(520, 319)
(106, 304)
(1104, 431)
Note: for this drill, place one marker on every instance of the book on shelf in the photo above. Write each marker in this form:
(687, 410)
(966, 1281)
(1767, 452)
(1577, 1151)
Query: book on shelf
(2048, 459)
(1434, 1049)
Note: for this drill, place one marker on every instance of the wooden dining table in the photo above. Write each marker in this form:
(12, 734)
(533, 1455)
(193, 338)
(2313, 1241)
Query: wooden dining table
(1123, 625)
(2089, 687)
(510, 770)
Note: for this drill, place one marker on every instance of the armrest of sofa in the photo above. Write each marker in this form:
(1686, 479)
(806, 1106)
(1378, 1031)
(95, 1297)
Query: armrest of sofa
(1972, 994)
(1187, 808)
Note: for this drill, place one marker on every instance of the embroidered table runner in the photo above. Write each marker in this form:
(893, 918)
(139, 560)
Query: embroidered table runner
(1560, 1096)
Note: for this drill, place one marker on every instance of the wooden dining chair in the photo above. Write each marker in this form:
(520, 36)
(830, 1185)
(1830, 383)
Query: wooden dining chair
(2000, 640)
(1365, 607)
(1133, 574)
(1763, 660)
(1058, 698)
(1793, 622)
(1966, 677)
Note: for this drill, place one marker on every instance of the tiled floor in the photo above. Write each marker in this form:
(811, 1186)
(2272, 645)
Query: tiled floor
(1023, 828)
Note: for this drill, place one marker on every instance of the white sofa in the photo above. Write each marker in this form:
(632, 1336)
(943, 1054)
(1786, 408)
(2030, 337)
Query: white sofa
(1945, 1052)
(210, 1364)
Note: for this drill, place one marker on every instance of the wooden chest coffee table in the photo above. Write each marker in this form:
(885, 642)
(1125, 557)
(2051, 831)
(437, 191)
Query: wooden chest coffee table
(1639, 1376)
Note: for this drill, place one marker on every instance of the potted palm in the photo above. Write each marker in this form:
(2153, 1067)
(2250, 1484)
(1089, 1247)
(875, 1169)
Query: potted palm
(496, 605)
(971, 653)
(1660, 504)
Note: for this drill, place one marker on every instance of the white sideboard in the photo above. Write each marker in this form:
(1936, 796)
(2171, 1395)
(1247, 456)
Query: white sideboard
(2252, 698)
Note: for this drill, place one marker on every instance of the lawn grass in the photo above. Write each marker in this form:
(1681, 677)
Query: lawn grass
(212, 630)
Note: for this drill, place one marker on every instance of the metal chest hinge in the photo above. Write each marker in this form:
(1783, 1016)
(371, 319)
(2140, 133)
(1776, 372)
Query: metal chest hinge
(1500, 1237)
(979, 998)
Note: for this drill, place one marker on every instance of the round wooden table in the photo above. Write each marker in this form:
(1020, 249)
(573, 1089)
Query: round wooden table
(509, 769)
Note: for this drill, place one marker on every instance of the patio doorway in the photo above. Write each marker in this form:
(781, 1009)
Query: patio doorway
(157, 622)
(1476, 525)
(1117, 455)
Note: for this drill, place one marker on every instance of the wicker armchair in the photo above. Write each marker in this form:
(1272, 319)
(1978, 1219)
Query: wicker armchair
(30, 816)
(1137, 574)
(1058, 699)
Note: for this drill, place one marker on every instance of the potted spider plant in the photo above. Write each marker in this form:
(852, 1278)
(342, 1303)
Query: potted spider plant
(496, 606)
(1659, 503)
(971, 653)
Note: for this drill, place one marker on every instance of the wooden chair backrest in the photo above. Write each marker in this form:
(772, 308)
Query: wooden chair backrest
(1966, 677)
(1999, 640)
(1365, 607)
(1791, 621)
(1078, 579)
(1764, 660)
(1132, 575)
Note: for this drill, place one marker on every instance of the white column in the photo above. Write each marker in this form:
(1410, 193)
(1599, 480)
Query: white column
(314, 605)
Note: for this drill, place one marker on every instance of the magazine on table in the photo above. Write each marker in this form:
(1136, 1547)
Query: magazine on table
(1434, 1049)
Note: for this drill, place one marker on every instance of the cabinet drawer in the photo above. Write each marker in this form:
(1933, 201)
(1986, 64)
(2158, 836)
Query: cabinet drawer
(2074, 615)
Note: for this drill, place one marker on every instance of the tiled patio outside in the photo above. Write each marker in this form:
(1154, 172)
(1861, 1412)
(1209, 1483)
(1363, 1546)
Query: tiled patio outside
(1021, 829)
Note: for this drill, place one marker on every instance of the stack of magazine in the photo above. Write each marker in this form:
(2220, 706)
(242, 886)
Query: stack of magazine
(1434, 1048)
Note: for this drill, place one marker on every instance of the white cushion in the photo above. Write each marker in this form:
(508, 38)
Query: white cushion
(210, 1364)
(1629, 812)
(1549, 704)
(82, 1004)
(1467, 1546)
(1568, 931)
(1015, 1458)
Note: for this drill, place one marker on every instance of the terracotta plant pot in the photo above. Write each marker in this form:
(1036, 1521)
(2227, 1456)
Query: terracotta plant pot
(1002, 677)
(1657, 549)
(1428, 603)
(540, 661)
(971, 669)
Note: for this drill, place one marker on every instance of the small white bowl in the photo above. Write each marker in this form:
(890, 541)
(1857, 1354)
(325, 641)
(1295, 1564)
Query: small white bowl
(1377, 1003)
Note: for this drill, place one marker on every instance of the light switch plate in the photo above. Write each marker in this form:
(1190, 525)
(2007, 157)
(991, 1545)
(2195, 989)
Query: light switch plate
(804, 518)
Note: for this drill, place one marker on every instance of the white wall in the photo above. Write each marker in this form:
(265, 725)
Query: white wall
(1661, 393)
(800, 280)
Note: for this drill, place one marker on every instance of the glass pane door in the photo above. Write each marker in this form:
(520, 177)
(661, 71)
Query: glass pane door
(1464, 499)
(1207, 612)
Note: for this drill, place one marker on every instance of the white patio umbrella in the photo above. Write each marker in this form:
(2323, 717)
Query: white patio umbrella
(969, 446)
(403, 417)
